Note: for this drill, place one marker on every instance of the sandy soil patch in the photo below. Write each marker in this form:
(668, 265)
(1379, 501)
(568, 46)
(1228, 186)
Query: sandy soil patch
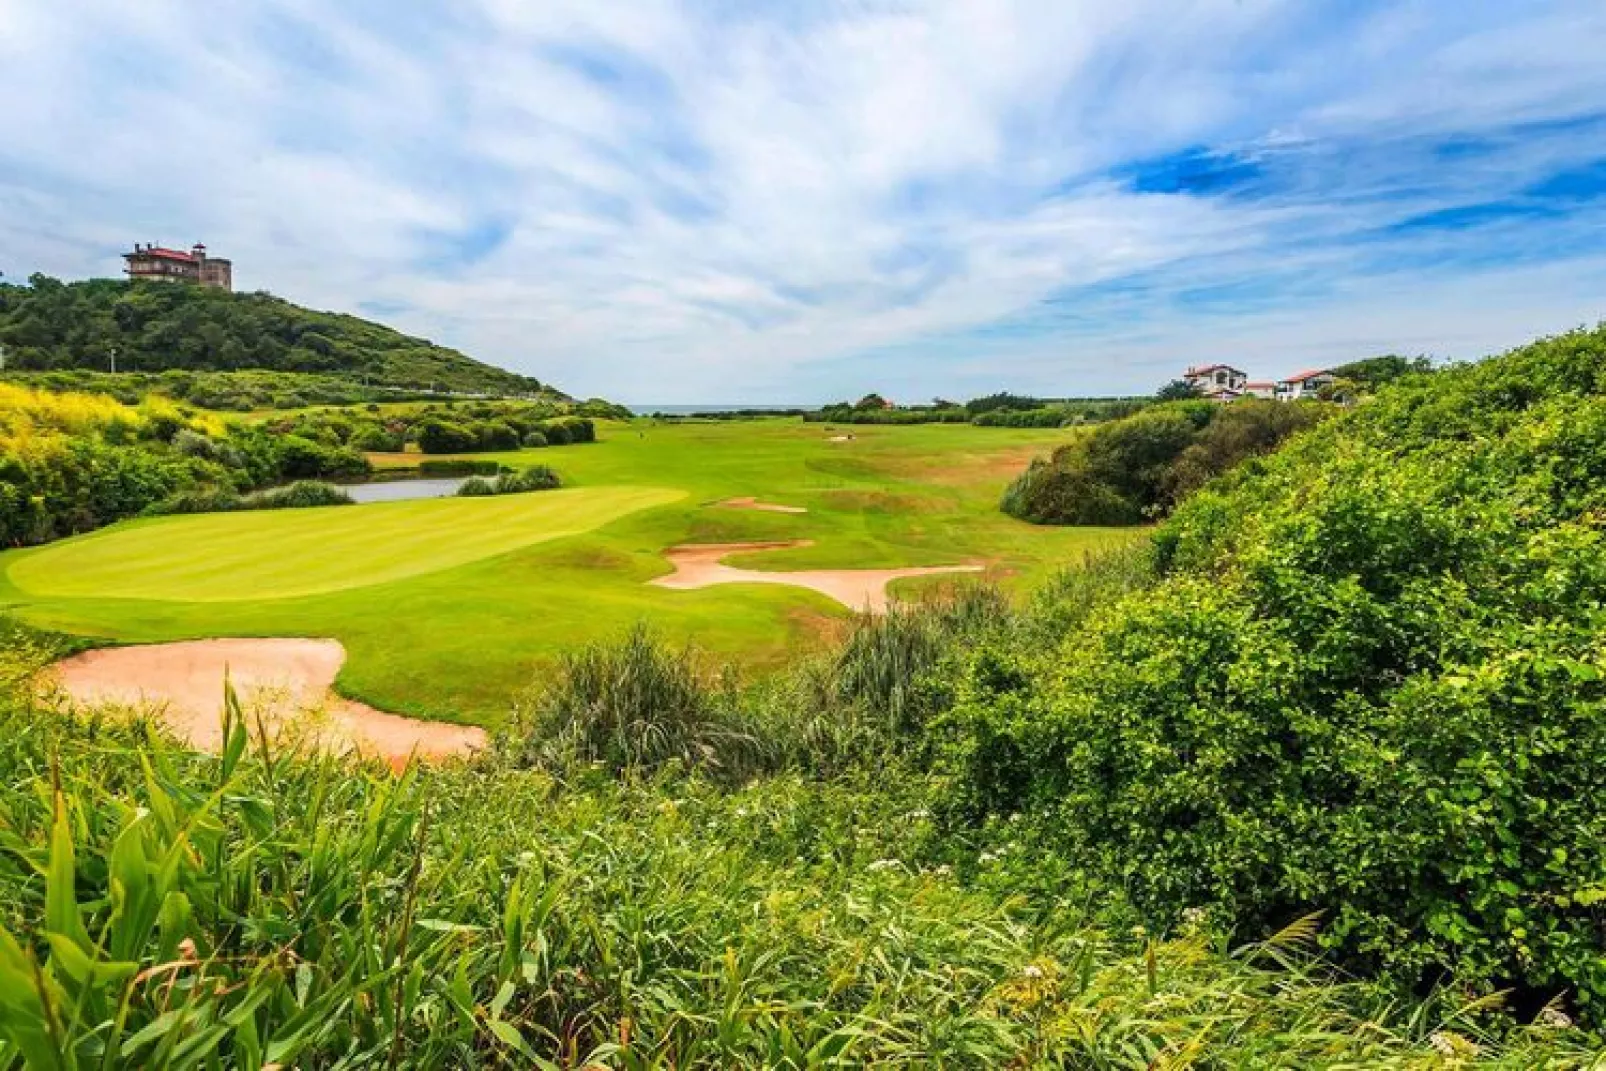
(762, 507)
(841, 439)
(701, 565)
(288, 681)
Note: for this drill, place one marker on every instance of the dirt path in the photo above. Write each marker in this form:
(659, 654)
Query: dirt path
(763, 507)
(701, 565)
(287, 680)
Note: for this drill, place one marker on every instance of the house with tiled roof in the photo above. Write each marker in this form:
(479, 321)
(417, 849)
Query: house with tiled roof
(1220, 381)
(159, 264)
(1304, 384)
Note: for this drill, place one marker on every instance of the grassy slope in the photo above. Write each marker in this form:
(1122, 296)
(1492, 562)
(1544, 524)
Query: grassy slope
(459, 640)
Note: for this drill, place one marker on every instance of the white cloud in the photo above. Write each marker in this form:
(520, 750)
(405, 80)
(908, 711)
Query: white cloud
(707, 202)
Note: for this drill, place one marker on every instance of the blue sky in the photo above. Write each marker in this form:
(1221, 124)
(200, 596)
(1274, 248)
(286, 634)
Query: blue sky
(781, 200)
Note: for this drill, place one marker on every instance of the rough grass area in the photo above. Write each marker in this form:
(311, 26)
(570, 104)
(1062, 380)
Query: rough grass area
(164, 910)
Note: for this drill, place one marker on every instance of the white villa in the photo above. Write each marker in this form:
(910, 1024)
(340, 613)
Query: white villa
(1303, 385)
(1221, 382)
(1224, 383)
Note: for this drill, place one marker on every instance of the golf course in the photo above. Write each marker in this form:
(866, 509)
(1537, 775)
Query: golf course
(447, 607)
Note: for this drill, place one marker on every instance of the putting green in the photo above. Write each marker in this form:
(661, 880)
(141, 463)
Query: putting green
(227, 557)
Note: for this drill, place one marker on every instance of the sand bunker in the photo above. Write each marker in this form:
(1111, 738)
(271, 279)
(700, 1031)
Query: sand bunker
(700, 565)
(763, 507)
(287, 680)
(840, 439)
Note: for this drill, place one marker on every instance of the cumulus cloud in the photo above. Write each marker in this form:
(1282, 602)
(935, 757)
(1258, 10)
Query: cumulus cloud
(705, 201)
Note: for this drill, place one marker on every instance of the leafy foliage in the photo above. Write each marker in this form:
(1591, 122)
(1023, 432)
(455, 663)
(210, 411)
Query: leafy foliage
(1131, 469)
(165, 910)
(1371, 683)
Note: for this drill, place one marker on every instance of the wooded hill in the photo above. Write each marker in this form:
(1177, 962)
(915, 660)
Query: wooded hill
(52, 325)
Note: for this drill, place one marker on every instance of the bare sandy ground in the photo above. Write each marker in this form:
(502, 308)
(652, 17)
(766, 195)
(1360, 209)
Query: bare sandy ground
(763, 507)
(700, 565)
(287, 680)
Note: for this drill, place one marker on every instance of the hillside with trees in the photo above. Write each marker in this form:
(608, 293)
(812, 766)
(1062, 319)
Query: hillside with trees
(50, 325)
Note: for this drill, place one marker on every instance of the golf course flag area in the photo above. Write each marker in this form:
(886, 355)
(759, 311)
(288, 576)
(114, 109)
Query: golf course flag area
(448, 607)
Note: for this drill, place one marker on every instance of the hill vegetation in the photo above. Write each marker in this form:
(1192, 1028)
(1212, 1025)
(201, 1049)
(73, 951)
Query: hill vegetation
(73, 462)
(49, 325)
(1138, 467)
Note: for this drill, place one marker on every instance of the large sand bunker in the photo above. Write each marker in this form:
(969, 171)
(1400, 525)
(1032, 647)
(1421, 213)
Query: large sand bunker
(285, 681)
(762, 507)
(701, 565)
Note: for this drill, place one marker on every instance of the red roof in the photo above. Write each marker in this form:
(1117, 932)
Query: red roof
(1262, 384)
(1300, 377)
(162, 254)
(1210, 368)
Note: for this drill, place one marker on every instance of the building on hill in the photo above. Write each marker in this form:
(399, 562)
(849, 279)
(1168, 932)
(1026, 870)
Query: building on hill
(1261, 388)
(1216, 380)
(1303, 385)
(157, 263)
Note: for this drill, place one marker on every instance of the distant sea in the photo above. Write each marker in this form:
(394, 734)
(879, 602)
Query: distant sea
(713, 407)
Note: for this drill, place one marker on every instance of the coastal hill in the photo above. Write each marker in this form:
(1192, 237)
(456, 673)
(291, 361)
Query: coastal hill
(50, 325)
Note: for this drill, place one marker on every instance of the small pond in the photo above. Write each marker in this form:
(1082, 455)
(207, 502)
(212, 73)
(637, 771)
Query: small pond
(400, 490)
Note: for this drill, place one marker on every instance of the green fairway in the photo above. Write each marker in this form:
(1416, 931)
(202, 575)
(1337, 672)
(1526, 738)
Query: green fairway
(448, 607)
(222, 557)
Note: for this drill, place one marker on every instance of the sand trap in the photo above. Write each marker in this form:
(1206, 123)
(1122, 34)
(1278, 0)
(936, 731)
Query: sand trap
(840, 439)
(287, 680)
(700, 565)
(763, 507)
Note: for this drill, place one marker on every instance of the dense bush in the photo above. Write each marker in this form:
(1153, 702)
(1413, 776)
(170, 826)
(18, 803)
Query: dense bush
(447, 467)
(160, 909)
(634, 707)
(1371, 684)
(444, 437)
(1140, 466)
(302, 494)
(476, 487)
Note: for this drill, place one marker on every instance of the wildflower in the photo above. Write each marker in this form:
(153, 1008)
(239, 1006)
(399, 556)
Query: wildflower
(1553, 1018)
(1032, 970)
(943, 871)
(882, 864)
(1194, 917)
(919, 815)
(987, 857)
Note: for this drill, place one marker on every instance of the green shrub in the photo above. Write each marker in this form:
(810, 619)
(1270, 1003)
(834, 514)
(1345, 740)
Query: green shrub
(633, 707)
(443, 469)
(205, 499)
(557, 434)
(535, 440)
(497, 435)
(1141, 465)
(302, 494)
(443, 437)
(534, 478)
(1371, 683)
(476, 487)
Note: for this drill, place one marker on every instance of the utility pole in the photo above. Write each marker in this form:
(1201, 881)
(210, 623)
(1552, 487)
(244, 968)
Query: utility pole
(114, 360)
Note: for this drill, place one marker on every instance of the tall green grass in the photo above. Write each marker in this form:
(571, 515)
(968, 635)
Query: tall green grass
(167, 910)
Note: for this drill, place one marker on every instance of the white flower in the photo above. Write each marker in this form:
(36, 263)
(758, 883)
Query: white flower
(1032, 970)
(943, 871)
(1554, 1018)
(920, 815)
(882, 864)
(1195, 916)
(987, 857)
